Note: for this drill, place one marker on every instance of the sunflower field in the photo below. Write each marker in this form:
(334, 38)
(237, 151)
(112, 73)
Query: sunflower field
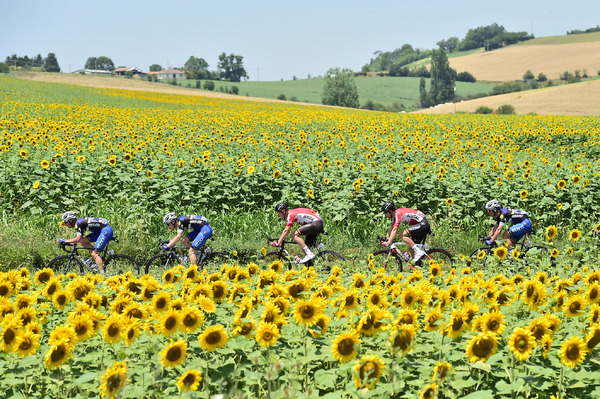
(514, 329)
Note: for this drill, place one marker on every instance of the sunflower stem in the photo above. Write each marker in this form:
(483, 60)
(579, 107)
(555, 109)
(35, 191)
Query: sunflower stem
(207, 376)
(560, 382)
(305, 362)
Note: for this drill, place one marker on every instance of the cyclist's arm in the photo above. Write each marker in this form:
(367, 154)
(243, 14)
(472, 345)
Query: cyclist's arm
(284, 234)
(495, 232)
(175, 239)
(73, 240)
(392, 234)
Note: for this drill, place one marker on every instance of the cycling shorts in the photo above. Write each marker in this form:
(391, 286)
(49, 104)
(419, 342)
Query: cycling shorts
(199, 237)
(419, 231)
(311, 231)
(517, 231)
(101, 238)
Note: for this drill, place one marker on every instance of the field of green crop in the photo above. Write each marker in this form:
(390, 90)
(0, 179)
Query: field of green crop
(247, 328)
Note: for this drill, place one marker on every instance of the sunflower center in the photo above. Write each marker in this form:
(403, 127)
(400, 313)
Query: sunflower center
(58, 353)
(113, 330)
(213, 338)
(402, 340)
(174, 354)
(521, 344)
(189, 379)
(483, 348)
(307, 312)
(189, 320)
(572, 352)
(593, 341)
(346, 347)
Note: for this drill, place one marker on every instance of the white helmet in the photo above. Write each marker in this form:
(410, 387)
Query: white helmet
(492, 205)
(169, 217)
(68, 216)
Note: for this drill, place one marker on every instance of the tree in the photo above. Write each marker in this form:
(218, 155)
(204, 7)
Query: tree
(195, 68)
(340, 88)
(465, 77)
(528, 75)
(51, 63)
(101, 63)
(232, 67)
(155, 68)
(442, 78)
(449, 45)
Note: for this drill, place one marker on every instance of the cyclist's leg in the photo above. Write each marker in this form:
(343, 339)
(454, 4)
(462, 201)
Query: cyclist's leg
(516, 232)
(199, 240)
(415, 234)
(311, 232)
(106, 234)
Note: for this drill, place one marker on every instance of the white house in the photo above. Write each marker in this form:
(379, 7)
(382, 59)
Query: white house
(169, 74)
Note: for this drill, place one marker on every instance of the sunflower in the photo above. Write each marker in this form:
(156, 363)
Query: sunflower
(344, 345)
(114, 380)
(243, 329)
(573, 351)
(501, 252)
(320, 327)
(401, 338)
(574, 306)
(561, 184)
(83, 326)
(450, 201)
(132, 331)
(433, 320)
(575, 235)
(307, 312)
(191, 319)
(23, 153)
(213, 338)
(441, 371)
(523, 194)
(189, 381)
(521, 343)
(276, 266)
(36, 185)
(493, 322)
(169, 323)
(57, 355)
(481, 347)
(277, 174)
(429, 392)
(593, 337)
(206, 304)
(481, 254)
(266, 334)
(63, 335)
(112, 161)
(555, 252)
(457, 323)
(160, 301)
(114, 328)
(367, 371)
(174, 353)
(26, 343)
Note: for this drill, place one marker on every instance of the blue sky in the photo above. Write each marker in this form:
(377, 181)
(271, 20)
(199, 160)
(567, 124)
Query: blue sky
(278, 39)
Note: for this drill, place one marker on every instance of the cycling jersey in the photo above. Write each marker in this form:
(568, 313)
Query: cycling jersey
(302, 216)
(191, 222)
(407, 216)
(90, 224)
(513, 216)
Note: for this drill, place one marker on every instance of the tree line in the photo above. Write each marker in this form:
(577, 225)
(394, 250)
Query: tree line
(48, 64)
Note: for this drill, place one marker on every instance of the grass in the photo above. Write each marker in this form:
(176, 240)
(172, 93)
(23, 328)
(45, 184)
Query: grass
(567, 39)
(382, 90)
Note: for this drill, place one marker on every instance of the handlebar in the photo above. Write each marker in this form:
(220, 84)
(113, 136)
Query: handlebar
(271, 239)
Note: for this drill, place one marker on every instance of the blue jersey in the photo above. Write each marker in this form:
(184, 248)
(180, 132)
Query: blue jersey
(512, 216)
(191, 222)
(92, 225)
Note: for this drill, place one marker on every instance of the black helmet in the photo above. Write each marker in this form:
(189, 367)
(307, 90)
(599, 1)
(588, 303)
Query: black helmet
(282, 206)
(388, 206)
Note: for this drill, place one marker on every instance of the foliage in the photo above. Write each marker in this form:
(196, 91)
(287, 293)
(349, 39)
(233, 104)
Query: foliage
(442, 87)
(340, 88)
(589, 30)
(209, 85)
(100, 63)
(196, 68)
(505, 109)
(449, 45)
(491, 37)
(232, 67)
(386, 61)
(25, 61)
(507, 87)
(482, 109)
(541, 77)
(528, 75)
(465, 77)
(4, 68)
(281, 97)
(155, 68)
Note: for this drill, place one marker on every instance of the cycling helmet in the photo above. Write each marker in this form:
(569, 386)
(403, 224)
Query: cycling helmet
(68, 216)
(492, 205)
(282, 206)
(388, 206)
(169, 217)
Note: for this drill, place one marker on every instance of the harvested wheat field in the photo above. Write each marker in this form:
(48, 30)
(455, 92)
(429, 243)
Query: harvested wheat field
(512, 62)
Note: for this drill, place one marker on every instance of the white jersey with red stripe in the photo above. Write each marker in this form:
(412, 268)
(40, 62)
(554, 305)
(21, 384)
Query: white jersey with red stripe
(302, 216)
(407, 216)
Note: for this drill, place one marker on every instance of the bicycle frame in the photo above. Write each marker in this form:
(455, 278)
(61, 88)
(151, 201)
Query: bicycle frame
(201, 253)
(282, 251)
(105, 254)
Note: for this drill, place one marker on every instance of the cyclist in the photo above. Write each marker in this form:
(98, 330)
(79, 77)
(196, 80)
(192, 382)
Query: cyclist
(519, 219)
(100, 234)
(311, 225)
(201, 232)
(418, 227)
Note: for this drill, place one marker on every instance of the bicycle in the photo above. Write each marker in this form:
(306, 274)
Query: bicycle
(439, 256)
(75, 262)
(525, 249)
(327, 257)
(171, 258)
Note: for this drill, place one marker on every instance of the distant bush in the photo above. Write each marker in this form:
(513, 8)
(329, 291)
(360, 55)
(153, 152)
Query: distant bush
(505, 109)
(4, 68)
(483, 110)
(234, 89)
(465, 77)
(528, 75)
(173, 82)
(294, 98)
(209, 85)
(374, 106)
(508, 87)
(198, 84)
(541, 77)
(281, 97)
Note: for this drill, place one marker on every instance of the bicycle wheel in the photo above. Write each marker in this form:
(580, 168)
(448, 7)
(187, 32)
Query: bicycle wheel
(274, 255)
(394, 262)
(161, 262)
(440, 256)
(120, 263)
(326, 260)
(479, 258)
(64, 264)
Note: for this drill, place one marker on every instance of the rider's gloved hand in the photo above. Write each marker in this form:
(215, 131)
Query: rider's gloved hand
(274, 244)
(385, 243)
(488, 242)
(61, 241)
(164, 247)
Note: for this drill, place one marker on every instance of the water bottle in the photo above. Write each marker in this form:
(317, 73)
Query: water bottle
(297, 259)
(320, 246)
(207, 250)
(426, 247)
(528, 244)
(110, 252)
(91, 264)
